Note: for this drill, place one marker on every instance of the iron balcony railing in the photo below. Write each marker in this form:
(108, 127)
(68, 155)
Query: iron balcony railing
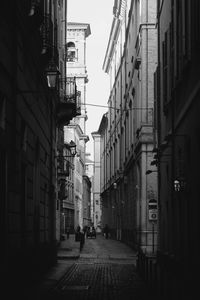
(70, 100)
(78, 103)
(68, 90)
(69, 93)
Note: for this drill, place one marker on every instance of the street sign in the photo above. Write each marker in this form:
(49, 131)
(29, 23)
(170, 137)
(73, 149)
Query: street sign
(153, 210)
(153, 214)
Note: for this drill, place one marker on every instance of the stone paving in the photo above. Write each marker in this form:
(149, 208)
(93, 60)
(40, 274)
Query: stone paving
(103, 270)
(100, 281)
(106, 270)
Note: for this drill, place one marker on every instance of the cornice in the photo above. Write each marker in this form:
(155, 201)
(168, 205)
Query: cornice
(78, 26)
(119, 10)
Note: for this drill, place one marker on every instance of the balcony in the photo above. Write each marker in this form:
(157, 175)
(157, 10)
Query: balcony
(70, 101)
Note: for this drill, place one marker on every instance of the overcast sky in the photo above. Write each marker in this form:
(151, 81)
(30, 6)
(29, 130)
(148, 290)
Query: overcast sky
(98, 13)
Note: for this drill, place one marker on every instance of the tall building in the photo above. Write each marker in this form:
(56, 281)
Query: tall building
(29, 99)
(86, 201)
(76, 129)
(177, 98)
(96, 183)
(89, 170)
(128, 193)
(104, 169)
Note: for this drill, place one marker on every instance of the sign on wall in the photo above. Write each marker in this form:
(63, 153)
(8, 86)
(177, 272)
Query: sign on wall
(153, 210)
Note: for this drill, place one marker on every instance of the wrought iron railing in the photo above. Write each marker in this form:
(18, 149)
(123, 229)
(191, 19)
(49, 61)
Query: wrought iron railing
(78, 103)
(68, 90)
(69, 93)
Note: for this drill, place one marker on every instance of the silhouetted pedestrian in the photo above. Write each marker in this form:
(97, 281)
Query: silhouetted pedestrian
(68, 232)
(106, 231)
(77, 233)
(85, 229)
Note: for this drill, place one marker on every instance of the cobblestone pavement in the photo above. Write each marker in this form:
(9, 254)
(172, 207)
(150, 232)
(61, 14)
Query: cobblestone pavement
(100, 280)
(105, 270)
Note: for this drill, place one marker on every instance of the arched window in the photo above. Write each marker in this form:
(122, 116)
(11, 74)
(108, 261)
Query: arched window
(71, 52)
(70, 45)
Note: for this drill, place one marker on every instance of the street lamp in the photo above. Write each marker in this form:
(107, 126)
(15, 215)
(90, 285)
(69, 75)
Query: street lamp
(52, 76)
(115, 185)
(72, 147)
(52, 73)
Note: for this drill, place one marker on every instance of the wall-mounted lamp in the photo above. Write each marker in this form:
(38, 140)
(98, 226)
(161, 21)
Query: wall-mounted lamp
(72, 147)
(179, 185)
(52, 75)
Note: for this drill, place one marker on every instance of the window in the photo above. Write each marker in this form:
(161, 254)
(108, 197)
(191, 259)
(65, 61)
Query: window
(71, 52)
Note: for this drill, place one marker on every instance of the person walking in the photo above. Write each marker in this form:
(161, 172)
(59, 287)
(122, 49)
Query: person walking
(68, 231)
(106, 231)
(77, 233)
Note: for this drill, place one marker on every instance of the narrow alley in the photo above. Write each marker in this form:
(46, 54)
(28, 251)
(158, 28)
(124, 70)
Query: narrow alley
(105, 269)
(99, 134)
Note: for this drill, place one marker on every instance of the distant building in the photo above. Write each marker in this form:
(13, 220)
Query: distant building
(102, 131)
(86, 201)
(66, 193)
(89, 170)
(96, 183)
(76, 129)
(89, 166)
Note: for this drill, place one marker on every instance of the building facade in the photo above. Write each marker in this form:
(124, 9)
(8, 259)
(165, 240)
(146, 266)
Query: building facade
(177, 95)
(102, 131)
(96, 183)
(66, 189)
(29, 50)
(76, 129)
(89, 170)
(128, 136)
(86, 201)
(33, 110)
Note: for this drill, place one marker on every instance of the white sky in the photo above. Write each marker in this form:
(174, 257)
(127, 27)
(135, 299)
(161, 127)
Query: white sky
(98, 13)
